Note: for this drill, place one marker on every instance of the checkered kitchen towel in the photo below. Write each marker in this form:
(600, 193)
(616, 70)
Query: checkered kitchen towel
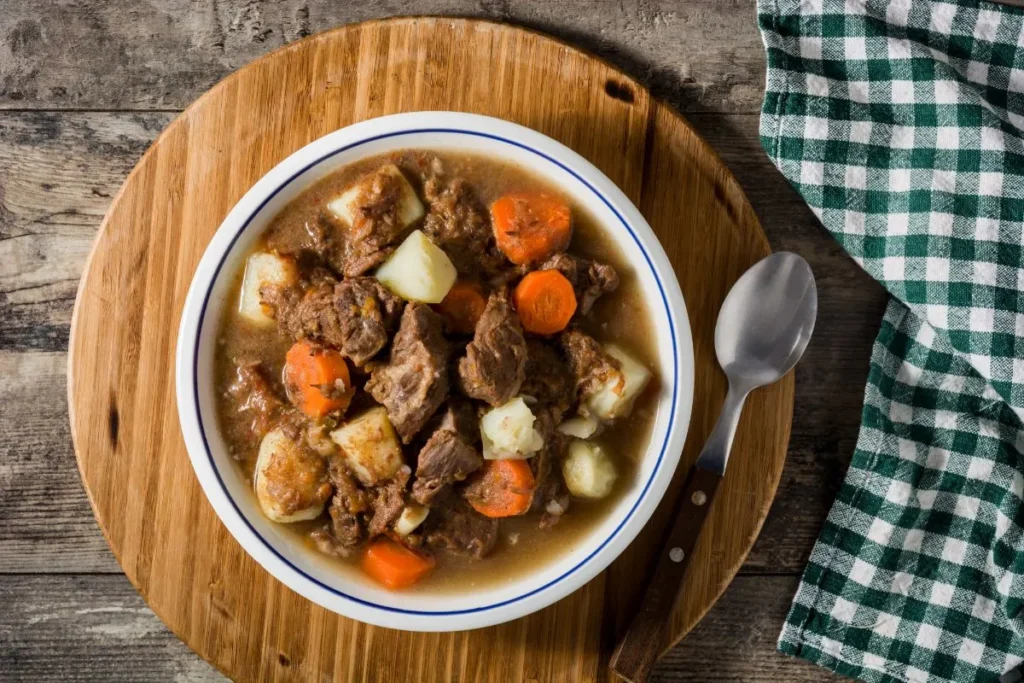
(902, 125)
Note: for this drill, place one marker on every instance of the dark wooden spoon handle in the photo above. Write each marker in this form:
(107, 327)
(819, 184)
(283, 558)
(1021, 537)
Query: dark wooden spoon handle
(643, 642)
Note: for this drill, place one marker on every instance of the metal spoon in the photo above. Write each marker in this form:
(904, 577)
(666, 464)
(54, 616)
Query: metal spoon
(763, 329)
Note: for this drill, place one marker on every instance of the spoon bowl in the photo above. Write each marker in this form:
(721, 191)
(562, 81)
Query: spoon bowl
(766, 321)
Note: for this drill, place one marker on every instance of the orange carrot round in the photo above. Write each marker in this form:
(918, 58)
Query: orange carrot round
(504, 488)
(529, 227)
(394, 565)
(462, 307)
(545, 301)
(317, 380)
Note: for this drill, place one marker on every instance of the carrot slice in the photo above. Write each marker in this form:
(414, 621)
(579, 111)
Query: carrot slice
(462, 307)
(529, 227)
(545, 301)
(394, 565)
(504, 488)
(317, 379)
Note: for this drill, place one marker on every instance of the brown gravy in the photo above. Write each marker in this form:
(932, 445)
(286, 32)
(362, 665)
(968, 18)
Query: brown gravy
(621, 317)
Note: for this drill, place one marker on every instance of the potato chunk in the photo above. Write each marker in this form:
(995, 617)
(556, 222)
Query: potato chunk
(410, 208)
(291, 481)
(370, 446)
(588, 471)
(581, 427)
(507, 432)
(260, 269)
(412, 516)
(418, 270)
(615, 398)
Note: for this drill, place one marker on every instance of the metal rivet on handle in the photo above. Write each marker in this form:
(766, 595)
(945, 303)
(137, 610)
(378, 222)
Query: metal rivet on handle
(676, 554)
(699, 498)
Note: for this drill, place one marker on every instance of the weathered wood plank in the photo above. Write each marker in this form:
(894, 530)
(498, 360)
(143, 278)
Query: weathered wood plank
(96, 627)
(736, 640)
(47, 522)
(88, 628)
(702, 55)
(57, 174)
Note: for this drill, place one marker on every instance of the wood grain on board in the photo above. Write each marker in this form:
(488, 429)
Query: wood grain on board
(124, 423)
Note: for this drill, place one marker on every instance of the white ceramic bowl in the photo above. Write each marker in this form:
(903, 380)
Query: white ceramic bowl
(279, 552)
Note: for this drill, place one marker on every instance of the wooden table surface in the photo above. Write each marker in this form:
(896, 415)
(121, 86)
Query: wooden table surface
(86, 86)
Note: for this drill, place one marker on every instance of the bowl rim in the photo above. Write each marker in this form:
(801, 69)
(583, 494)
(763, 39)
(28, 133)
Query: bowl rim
(210, 271)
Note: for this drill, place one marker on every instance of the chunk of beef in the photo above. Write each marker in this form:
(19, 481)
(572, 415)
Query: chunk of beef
(327, 544)
(346, 508)
(355, 261)
(254, 397)
(455, 526)
(494, 366)
(460, 417)
(590, 365)
(598, 279)
(457, 222)
(414, 381)
(314, 243)
(376, 228)
(550, 496)
(353, 316)
(448, 457)
(548, 378)
(367, 311)
(589, 279)
(349, 249)
(305, 312)
(318, 239)
(387, 501)
(556, 499)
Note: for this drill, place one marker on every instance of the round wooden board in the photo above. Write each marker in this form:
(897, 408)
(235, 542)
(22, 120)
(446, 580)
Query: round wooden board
(121, 368)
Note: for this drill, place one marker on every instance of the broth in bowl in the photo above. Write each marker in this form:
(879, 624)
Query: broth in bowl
(436, 369)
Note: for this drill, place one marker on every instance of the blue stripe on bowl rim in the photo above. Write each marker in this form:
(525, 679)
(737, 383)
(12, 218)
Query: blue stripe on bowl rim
(202, 320)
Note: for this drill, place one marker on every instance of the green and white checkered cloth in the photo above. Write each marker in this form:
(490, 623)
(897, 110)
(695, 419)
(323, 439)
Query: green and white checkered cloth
(902, 125)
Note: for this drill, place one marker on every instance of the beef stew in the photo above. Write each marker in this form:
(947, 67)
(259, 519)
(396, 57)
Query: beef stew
(437, 371)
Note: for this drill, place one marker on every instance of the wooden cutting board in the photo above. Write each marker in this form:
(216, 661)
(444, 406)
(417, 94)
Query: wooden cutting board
(120, 379)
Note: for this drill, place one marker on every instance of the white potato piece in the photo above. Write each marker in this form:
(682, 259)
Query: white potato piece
(507, 432)
(291, 482)
(418, 270)
(581, 427)
(260, 269)
(588, 471)
(410, 208)
(615, 398)
(370, 446)
(412, 516)
(319, 440)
